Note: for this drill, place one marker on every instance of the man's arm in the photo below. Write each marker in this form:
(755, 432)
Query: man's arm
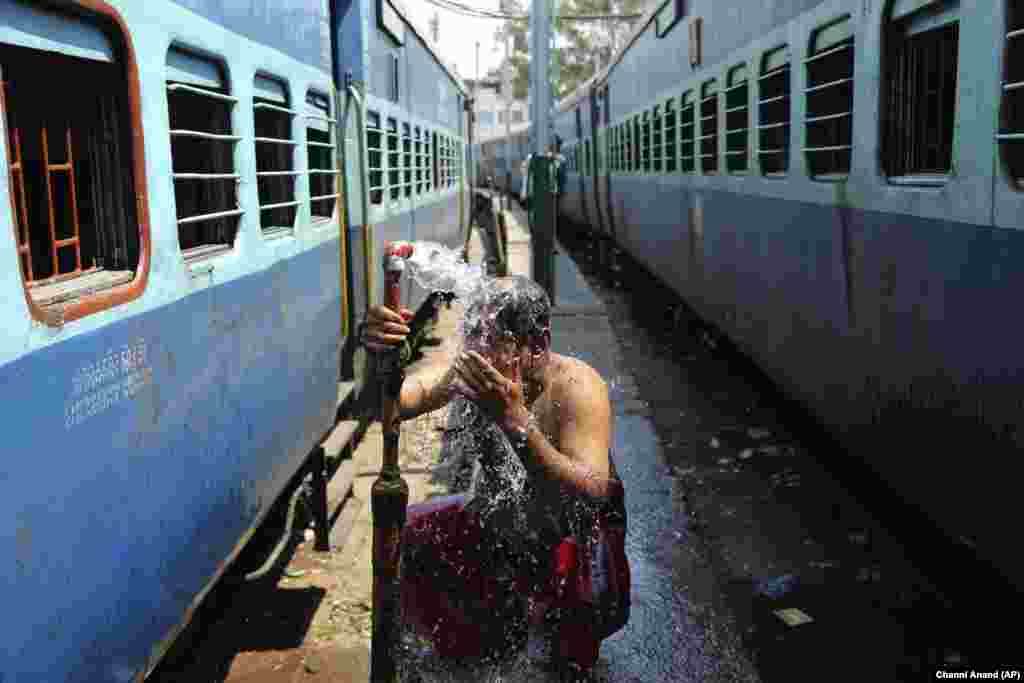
(585, 422)
(426, 390)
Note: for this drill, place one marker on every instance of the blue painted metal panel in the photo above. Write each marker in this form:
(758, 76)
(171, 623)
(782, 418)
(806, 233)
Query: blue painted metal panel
(148, 449)
(39, 29)
(888, 327)
(298, 28)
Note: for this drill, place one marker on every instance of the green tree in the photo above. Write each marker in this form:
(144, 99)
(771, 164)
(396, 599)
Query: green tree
(581, 47)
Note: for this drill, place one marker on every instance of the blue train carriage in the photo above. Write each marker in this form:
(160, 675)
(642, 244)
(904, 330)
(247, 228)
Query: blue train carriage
(174, 309)
(411, 180)
(838, 186)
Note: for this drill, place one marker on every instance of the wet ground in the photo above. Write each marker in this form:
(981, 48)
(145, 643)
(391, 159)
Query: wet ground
(769, 514)
(759, 550)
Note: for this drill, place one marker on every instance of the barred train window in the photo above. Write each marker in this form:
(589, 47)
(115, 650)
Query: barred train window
(428, 168)
(617, 151)
(375, 154)
(71, 167)
(656, 140)
(417, 135)
(324, 173)
(407, 159)
(830, 101)
(634, 158)
(202, 154)
(645, 142)
(709, 122)
(1011, 134)
(671, 136)
(394, 161)
(275, 174)
(737, 120)
(436, 161)
(687, 133)
(921, 67)
(773, 112)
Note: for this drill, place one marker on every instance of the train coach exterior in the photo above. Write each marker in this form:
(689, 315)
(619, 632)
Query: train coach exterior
(174, 309)
(848, 219)
(183, 272)
(415, 134)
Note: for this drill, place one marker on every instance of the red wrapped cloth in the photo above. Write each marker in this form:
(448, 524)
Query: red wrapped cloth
(470, 597)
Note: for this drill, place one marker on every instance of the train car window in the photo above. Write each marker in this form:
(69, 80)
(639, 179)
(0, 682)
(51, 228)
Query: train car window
(375, 157)
(645, 142)
(428, 167)
(737, 119)
(202, 154)
(709, 127)
(275, 155)
(687, 133)
(920, 86)
(417, 135)
(671, 136)
(407, 159)
(393, 160)
(829, 123)
(774, 112)
(636, 164)
(324, 181)
(616, 158)
(71, 171)
(436, 161)
(1011, 135)
(657, 150)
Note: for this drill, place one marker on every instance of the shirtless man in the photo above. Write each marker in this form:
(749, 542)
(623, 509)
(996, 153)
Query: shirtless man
(555, 412)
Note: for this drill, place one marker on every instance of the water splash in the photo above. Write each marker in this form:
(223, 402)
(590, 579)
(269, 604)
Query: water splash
(476, 456)
(435, 267)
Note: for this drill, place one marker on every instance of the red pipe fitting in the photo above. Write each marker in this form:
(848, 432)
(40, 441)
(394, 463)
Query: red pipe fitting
(395, 254)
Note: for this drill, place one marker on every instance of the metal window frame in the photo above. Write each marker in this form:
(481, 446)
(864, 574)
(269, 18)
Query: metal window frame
(709, 86)
(231, 101)
(783, 72)
(845, 44)
(334, 170)
(277, 230)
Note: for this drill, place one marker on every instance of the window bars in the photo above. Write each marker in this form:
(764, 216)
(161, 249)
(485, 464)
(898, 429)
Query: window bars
(671, 136)
(202, 153)
(418, 155)
(921, 78)
(1011, 135)
(375, 154)
(407, 157)
(737, 120)
(774, 112)
(657, 138)
(829, 122)
(645, 142)
(321, 153)
(275, 173)
(634, 159)
(394, 170)
(687, 133)
(709, 127)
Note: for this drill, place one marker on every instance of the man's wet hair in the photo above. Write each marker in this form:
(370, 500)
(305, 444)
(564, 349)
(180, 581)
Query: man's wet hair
(519, 305)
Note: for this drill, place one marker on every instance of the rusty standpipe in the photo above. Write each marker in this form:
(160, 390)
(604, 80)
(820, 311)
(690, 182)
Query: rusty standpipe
(390, 494)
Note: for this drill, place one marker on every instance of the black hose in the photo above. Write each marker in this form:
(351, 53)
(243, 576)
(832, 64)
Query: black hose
(282, 542)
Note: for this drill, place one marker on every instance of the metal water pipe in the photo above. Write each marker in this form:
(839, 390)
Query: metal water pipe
(389, 495)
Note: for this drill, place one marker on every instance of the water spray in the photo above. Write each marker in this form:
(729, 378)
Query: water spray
(389, 495)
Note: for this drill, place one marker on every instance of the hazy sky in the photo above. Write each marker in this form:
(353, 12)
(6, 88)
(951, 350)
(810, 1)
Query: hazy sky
(459, 35)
